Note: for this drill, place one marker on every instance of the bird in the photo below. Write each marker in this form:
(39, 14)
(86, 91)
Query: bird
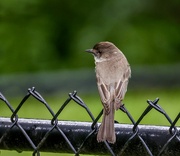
(112, 75)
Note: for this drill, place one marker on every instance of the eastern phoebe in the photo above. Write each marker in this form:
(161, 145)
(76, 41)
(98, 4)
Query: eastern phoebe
(112, 73)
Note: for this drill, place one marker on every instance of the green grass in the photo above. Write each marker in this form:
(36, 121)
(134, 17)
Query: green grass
(135, 102)
(14, 153)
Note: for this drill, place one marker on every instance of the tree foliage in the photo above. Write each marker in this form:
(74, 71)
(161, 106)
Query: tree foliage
(53, 34)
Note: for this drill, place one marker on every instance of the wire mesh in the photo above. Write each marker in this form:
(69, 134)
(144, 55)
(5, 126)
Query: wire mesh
(77, 137)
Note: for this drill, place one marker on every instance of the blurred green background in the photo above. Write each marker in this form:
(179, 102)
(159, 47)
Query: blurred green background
(42, 44)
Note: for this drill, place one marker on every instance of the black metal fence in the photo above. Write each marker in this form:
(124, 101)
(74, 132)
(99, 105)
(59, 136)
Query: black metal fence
(80, 137)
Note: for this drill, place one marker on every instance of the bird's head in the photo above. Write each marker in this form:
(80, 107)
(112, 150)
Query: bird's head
(103, 50)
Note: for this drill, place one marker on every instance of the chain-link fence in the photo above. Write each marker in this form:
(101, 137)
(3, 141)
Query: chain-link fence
(80, 137)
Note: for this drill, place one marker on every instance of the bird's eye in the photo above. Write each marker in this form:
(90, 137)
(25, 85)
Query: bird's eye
(99, 52)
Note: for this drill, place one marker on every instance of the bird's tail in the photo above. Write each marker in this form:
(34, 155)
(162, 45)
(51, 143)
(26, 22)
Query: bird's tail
(106, 130)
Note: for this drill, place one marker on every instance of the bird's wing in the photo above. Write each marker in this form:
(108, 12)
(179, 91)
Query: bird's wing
(104, 94)
(121, 88)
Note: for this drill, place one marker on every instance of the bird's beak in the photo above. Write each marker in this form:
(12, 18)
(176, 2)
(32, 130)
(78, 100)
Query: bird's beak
(89, 50)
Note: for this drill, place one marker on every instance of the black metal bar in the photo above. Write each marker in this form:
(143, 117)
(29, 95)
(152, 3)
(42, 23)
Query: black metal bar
(154, 136)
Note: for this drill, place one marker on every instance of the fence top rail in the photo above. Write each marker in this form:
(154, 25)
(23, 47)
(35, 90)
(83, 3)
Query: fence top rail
(82, 123)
